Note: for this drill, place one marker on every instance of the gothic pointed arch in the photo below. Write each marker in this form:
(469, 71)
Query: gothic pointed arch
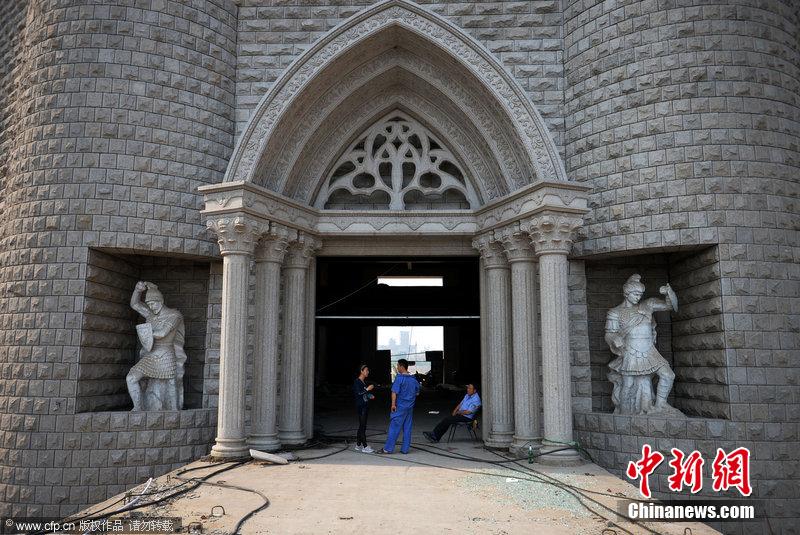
(395, 56)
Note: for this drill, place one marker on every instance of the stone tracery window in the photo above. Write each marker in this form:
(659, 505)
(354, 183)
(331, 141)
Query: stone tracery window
(397, 164)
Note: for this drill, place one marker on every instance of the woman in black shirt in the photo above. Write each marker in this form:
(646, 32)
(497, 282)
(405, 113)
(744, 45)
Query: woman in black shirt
(362, 394)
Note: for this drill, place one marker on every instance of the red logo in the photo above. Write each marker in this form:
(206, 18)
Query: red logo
(732, 470)
(644, 467)
(686, 470)
(727, 470)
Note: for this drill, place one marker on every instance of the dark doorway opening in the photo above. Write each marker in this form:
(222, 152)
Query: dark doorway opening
(352, 305)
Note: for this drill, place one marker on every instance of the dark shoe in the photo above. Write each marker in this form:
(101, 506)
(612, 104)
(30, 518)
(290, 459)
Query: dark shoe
(430, 437)
(383, 452)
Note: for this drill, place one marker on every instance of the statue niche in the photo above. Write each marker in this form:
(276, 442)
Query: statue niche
(162, 358)
(631, 335)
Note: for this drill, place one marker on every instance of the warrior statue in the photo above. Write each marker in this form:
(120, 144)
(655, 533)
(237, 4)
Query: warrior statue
(631, 335)
(162, 357)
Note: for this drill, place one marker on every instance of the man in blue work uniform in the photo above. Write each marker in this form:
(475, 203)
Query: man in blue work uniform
(405, 390)
(463, 413)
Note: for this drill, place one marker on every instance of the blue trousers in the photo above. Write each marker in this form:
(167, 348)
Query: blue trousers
(399, 420)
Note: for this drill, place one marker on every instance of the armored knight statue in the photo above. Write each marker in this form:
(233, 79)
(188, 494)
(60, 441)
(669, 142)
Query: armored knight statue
(631, 335)
(162, 358)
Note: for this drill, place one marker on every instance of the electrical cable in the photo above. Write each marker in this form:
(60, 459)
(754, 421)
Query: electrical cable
(94, 516)
(247, 516)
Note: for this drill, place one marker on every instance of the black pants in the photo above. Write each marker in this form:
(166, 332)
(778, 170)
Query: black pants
(361, 437)
(445, 423)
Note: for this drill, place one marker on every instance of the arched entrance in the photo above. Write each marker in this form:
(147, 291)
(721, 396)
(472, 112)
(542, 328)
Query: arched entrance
(395, 134)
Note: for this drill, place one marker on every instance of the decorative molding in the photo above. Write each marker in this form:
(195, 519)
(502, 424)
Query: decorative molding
(237, 234)
(301, 250)
(247, 199)
(273, 246)
(540, 196)
(491, 251)
(445, 36)
(552, 233)
(516, 243)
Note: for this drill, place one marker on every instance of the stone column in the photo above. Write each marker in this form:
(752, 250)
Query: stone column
(551, 236)
(518, 249)
(269, 255)
(498, 334)
(485, 394)
(311, 320)
(236, 237)
(294, 362)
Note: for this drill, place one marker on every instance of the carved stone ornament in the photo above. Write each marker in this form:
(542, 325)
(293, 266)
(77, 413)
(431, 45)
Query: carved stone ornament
(491, 250)
(631, 336)
(155, 382)
(302, 250)
(397, 164)
(516, 243)
(237, 234)
(552, 233)
(273, 245)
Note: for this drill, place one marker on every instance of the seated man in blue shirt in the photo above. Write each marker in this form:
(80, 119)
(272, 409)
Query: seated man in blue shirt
(405, 390)
(464, 412)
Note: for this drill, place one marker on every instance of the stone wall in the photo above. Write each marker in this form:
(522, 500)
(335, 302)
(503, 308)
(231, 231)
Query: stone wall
(685, 119)
(128, 108)
(698, 336)
(12, 66)
(108, 334)
(73, 461)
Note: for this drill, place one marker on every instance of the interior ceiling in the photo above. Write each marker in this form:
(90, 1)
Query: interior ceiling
(348, 287)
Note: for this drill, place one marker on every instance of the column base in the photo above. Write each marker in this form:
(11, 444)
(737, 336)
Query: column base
(292, 438)
(230, 448)
(554, 455)
(497, 441)
(522, 446)
(264, 442)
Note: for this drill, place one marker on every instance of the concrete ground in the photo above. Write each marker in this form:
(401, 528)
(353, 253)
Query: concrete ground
(333, 489)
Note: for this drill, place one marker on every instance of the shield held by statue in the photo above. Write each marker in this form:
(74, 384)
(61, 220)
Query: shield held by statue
(145, 333)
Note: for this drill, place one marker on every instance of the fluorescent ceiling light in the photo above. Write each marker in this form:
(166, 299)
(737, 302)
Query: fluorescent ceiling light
(411, 281)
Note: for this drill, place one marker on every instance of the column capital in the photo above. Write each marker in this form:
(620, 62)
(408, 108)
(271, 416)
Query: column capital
(302, 249)
(516, 243)
(491, 250)
(237, 234)
(273, 245)
(552, 233)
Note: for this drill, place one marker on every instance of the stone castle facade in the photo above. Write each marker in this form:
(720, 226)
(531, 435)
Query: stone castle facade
(670, 127)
